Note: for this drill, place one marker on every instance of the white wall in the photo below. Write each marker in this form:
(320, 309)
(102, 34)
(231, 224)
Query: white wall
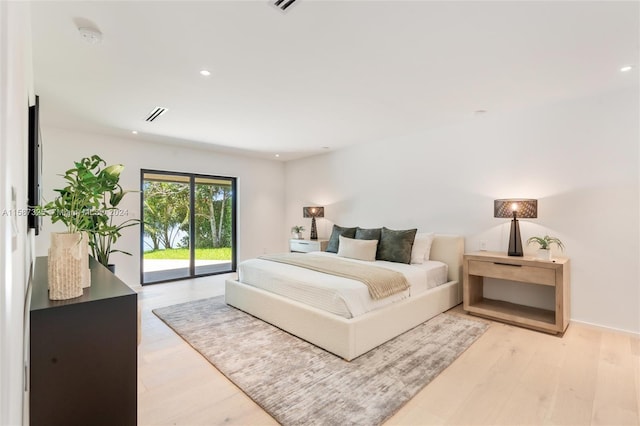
(15, 254)
(260, 188)
(578, 158)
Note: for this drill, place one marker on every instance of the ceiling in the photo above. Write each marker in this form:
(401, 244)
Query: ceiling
(323, 74)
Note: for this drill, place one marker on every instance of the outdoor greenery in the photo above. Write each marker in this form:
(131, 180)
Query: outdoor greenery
(166, 210)
(166, 215)
(213, 216)
(223, 253)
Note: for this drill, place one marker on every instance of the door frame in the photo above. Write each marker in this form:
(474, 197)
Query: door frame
(234, 216)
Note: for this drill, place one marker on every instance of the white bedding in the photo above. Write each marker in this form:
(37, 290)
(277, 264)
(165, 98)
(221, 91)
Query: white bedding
(341, 296)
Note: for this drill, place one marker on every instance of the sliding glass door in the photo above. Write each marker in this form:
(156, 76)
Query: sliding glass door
(188, 225)
(213, 222)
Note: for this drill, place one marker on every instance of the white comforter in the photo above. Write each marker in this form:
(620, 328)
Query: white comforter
(341, 296)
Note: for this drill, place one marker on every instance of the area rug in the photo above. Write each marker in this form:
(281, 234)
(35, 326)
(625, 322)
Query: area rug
(298, 383)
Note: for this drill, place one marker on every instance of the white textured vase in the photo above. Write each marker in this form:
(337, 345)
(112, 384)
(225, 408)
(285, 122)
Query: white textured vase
(67, 263)
(86, 272)
(544, 254)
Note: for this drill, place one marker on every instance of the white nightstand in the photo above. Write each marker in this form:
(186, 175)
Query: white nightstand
(306, 246)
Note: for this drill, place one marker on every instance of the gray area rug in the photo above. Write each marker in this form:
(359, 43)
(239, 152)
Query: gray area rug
(298, 383)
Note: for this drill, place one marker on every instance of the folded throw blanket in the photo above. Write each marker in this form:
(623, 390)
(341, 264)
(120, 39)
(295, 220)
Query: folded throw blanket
(381, 282)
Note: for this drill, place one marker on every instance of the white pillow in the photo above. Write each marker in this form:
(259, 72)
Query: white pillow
(421, 247)
(358, 249)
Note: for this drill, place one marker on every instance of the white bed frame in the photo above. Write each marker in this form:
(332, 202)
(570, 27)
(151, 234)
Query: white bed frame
(352, 337)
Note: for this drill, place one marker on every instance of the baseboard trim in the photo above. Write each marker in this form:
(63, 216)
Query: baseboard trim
(602, 327)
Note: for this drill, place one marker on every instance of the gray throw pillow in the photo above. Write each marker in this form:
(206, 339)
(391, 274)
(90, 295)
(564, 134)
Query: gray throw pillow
(395, 246)
(334, 240)
(368, 234)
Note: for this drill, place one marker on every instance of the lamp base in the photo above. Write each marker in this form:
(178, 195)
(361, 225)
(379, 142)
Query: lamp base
(515, 242)
(314, 230)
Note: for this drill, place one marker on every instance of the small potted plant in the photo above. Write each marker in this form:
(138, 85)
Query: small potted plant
(544, 252)
(88, 206)
(68, 254)
(296, 232)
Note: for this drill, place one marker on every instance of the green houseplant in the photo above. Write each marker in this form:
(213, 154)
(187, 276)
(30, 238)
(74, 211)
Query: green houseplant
(545, 242)
(81, 196)
(68, 252)
(104, 230)
(89, 203)
(296, 231)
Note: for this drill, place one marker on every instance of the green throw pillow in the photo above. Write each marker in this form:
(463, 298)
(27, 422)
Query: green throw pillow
(395, 246)
(334, 240)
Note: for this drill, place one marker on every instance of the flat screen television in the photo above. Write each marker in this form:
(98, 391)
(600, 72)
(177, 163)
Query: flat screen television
(35, 166)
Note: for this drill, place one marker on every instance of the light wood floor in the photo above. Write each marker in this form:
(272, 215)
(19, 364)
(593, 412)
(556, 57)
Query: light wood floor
(510, 376)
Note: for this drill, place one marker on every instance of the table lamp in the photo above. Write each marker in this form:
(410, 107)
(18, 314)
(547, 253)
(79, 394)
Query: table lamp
(313, 212)
(523, 208)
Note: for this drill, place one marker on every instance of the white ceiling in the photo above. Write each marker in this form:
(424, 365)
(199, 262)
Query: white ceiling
(324, 73)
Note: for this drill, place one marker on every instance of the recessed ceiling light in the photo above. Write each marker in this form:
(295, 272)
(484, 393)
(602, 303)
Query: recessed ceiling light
(135, 132)
(277, 155)
(626, 68)
(206, 73)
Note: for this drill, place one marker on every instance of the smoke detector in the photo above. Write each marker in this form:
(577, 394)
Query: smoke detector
(90, 35)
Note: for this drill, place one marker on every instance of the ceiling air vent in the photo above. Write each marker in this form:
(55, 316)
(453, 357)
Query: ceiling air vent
(283, 4)
(157, 112)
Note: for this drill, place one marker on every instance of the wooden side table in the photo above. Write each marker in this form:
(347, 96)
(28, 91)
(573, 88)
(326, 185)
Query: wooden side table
(528, 270)
(306, 246)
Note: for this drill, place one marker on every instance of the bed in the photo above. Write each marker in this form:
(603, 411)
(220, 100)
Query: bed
(352, 337)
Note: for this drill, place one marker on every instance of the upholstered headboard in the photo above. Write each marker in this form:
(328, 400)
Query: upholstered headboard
(449, 249)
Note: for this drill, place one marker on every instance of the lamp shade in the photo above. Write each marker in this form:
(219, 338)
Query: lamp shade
(525, 208)
(313, 212)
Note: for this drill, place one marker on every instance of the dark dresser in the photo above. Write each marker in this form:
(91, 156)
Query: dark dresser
(83, 352)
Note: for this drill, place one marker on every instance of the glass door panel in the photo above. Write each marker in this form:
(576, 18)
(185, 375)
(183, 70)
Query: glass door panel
(166, 228)
(213, 225)
(188, 226)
